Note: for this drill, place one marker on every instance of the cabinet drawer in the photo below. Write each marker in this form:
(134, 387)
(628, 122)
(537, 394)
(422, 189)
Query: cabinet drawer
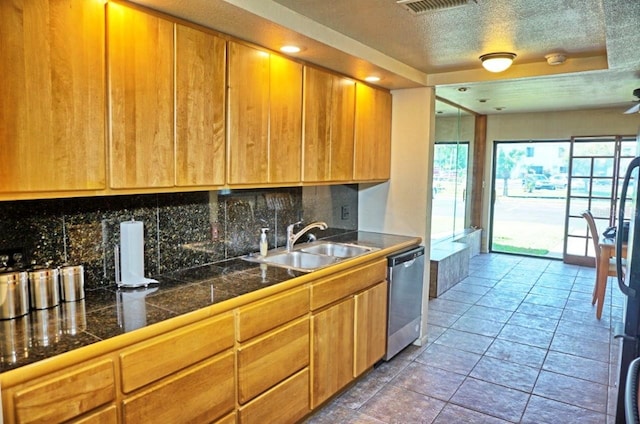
(285, 403)
(151, 360)
(108, 415)
(67, 395)
(272, 312)
(200, 394)
(334, 288)
(270, 359)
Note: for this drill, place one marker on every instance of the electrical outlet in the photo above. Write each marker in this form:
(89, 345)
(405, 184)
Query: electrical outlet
(345, 212)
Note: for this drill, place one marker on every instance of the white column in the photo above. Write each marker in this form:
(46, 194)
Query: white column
(403, 204)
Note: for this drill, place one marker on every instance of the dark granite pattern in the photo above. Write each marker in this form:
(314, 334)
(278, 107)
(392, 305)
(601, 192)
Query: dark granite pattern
(108, 311)
(181, 230)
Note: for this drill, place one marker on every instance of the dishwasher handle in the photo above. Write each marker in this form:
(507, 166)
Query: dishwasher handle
(407, 257)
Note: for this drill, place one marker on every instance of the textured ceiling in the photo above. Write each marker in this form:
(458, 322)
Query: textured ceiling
(601, 39)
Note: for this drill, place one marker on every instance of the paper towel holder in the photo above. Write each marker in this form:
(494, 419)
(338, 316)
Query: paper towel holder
(129, 270)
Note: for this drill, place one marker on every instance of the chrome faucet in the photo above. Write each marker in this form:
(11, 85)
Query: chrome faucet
(292, 238)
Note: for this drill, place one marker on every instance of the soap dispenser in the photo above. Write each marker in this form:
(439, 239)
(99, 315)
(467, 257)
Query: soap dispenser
(264, 245)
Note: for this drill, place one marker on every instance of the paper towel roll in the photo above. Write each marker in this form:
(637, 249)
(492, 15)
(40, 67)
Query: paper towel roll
(132, 255)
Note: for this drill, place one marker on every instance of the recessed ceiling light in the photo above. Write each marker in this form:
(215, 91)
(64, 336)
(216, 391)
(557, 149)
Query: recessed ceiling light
(499, 108)
(483, 100)
(290, 49)
(372, 78)
(462, 89)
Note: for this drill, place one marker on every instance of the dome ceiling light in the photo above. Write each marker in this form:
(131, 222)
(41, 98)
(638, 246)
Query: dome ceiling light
(497, 62)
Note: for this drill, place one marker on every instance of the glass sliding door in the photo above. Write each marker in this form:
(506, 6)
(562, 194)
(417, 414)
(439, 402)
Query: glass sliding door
(530, 182)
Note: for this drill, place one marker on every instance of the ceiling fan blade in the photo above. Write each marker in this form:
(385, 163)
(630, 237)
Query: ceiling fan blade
(633, 109)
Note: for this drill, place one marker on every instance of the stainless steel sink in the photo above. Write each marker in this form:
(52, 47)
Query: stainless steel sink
(300, 260)
(338, 250)
(307, 258)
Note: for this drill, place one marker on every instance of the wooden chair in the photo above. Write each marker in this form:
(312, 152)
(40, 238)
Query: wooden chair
(600, 286)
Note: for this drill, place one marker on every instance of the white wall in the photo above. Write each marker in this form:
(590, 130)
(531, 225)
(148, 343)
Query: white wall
(403, 204)
(549, 126)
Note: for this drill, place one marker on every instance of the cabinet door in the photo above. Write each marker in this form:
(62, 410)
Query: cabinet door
(317, 125)
(52, 120)
(370, 327)
(141, 98)
(342, 128)
(328, 126)
(332, 350)
(248, 115)
(285, 120)
(200, 95)
(372, 134)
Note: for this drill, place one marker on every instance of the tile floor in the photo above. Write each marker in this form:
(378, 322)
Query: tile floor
(515, 342)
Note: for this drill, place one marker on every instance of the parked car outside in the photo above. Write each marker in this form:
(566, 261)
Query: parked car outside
(559, 180)
(537, 182)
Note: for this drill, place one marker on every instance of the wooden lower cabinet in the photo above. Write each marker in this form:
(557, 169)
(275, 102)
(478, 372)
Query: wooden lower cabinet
(348, 336)
(286, 403)
(65, 395)
(268, 360)
(332, 350)
(174, 351)
(370, 327)
(265, 315)
(272, 360)
(200, 394)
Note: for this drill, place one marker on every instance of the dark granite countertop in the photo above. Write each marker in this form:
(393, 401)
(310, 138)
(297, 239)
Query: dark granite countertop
(109, 312)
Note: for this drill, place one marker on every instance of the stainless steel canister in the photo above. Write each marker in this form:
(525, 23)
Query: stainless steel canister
(14, 294)
(72, 283)
(43, 284)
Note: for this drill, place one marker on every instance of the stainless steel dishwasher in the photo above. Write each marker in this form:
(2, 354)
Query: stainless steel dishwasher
(406, 274)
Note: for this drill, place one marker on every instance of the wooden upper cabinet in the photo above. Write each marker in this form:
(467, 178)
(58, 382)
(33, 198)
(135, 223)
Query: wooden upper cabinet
(200, 109)
(328, 126)
(317, 125)
(265, 117)
(140, 57)
(372, 134)
(248, 148)
(342, 128)
(285, 120)
(52, 121)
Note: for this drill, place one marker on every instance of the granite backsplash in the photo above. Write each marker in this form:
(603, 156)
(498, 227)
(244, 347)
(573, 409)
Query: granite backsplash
(181, 230)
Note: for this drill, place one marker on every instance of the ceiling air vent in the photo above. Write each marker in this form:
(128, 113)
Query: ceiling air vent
(423, 6)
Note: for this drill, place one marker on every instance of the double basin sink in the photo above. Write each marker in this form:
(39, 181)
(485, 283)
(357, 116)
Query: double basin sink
(312, 256)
